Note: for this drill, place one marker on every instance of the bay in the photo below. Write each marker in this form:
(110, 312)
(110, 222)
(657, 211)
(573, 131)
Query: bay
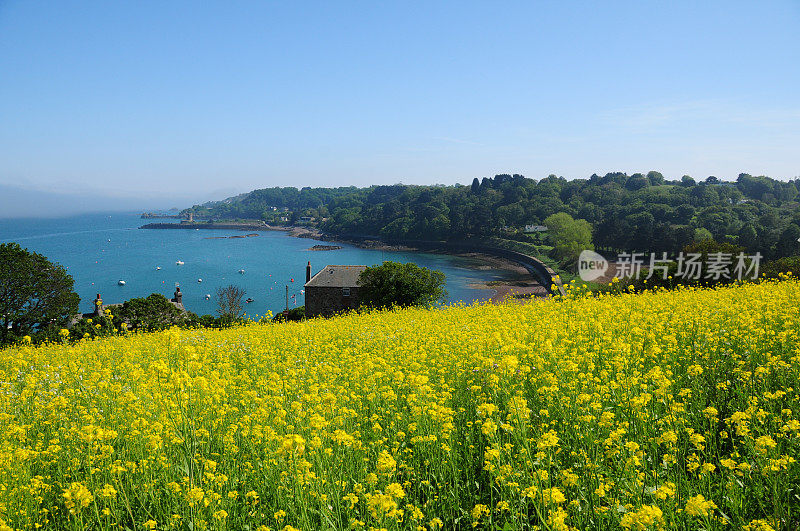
(99, 250)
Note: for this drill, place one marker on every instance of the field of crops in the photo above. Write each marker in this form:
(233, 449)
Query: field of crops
(660, 410)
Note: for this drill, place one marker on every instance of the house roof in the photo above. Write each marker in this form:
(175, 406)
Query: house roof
(337, 276)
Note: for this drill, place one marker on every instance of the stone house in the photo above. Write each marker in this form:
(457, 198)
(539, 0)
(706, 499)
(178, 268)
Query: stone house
(333, 290)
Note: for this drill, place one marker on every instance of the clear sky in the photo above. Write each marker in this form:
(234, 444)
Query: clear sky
(206, 99)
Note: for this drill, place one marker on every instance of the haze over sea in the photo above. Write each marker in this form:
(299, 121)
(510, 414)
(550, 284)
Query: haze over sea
(99, 250)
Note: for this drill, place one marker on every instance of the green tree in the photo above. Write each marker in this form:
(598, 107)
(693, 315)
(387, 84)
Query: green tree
(789, 241)
(476, 186)
(748, 237)
(655, 178)
(34, 293)
(702, 234)
(154, 312)
(569, 237)
(398, 284)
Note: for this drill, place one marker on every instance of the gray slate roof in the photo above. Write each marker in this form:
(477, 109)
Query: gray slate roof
(337, 276)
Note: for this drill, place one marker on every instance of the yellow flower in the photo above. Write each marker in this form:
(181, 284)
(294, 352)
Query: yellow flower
(386, 463)
(395, 490)
(699, 506)
(765, 443)
(547, 440)
(77, 497)
(553, 495)
(479, 511)
(667, 490)
(759, 525)
(107, 491)
(647, 517)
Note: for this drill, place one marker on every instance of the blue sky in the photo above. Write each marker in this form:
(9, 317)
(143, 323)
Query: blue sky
(205, 99)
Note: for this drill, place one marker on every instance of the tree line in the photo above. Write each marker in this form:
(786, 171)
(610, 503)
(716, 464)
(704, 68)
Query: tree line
(625, 213)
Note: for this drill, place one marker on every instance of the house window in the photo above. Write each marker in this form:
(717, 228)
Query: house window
(345, 292)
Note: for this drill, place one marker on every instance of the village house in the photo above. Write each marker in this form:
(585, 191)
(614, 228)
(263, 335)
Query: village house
(535, 228)
(333, 290)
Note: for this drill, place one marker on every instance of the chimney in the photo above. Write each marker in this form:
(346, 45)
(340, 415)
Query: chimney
(308, 271)
(98, 306)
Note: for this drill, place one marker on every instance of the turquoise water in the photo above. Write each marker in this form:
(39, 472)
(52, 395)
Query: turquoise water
(98, 250)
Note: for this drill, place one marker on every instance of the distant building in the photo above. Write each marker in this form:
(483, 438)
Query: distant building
(535, 228)
(177, 299)
(334, 289)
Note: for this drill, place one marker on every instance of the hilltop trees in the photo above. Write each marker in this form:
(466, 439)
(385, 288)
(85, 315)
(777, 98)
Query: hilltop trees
(35, 294)
(643, 212)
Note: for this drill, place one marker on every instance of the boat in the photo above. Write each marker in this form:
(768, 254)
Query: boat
(158, 268)
(199, 279)
(179, 262)
(241, 271)
(208, 296)
(121, 282)
(249, 299)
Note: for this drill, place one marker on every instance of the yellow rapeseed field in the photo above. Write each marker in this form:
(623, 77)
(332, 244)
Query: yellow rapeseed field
(639, 411)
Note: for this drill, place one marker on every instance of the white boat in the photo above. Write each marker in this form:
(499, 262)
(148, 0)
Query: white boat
(241, 271)
(121, 282)
(199, 279)
(208, 296)
(158, 268)
(179, 262)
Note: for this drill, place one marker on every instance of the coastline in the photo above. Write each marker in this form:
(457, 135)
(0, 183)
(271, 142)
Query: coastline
(516, 285)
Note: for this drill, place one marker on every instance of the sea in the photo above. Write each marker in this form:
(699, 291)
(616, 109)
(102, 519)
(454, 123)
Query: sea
(100, 250)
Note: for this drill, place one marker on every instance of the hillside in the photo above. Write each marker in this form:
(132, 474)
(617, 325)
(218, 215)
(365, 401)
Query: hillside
(627, 212)
(656, 410)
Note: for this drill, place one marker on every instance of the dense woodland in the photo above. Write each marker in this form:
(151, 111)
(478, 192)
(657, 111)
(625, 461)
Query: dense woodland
(626, 212)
